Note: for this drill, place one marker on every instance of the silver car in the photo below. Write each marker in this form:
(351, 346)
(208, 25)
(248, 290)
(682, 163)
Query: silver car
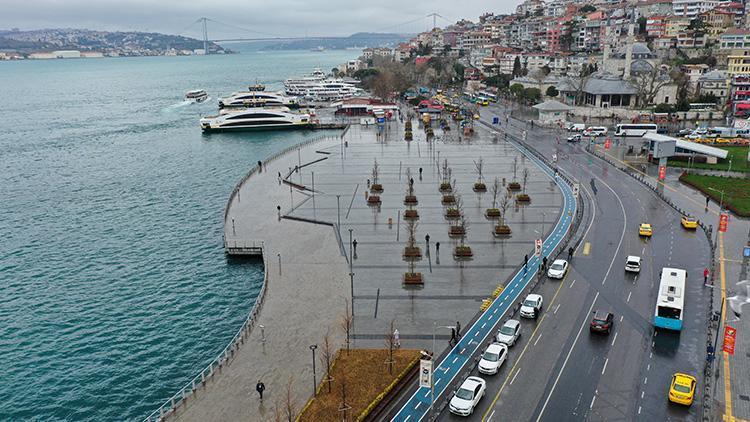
(509, 332)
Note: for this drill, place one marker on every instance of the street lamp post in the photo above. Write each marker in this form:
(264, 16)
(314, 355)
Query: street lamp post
(315, 381)
(351, 269)
(721, 210)
(434, 359)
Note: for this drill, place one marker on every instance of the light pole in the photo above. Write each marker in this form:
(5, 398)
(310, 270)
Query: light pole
(315, 382)
(351, 269)
(434, 359)
(721, 210)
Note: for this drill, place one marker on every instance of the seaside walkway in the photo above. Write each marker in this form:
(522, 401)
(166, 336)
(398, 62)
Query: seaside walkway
(304, 298)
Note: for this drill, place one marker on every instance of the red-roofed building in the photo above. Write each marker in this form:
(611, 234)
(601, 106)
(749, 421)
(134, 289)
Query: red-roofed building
(734, 39)
(362, 106)
(656, 26)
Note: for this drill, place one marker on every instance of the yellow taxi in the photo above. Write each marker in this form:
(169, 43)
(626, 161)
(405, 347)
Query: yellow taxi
(682, 389)
(476, 117)
(484, 102)
(645, 230)
(689, 222)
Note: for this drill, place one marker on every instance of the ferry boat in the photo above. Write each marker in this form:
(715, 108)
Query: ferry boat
(259, 118)
(258, 99)
(196, 96)
(257, 87)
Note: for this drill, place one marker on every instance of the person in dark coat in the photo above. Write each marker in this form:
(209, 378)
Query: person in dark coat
(260, 387)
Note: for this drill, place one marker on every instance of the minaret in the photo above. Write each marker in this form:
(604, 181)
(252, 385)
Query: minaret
(629, 52)
(605, 55)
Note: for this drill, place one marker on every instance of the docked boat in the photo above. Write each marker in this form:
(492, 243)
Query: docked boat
(196, 96)
(330, 90)
(259, 118)
(258, 99)
(257, 87)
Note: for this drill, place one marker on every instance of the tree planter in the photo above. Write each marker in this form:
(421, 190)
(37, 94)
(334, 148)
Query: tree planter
(448, 200)
(492, 213)
(411, 215)
(456, 231)
(410, 200)
(452, 213)
(376, 188)
(502, 230)
(446, 188)
(463, 252)
(512, 186)
(523, 198)
(408, 136)
(413, 279)
(373, 200)
(411, 252)
(480, 187)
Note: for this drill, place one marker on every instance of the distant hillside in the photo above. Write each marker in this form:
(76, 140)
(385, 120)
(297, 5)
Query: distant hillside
(87, 40)
(360, 39)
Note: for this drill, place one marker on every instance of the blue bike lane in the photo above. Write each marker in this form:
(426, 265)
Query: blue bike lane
(475, 335)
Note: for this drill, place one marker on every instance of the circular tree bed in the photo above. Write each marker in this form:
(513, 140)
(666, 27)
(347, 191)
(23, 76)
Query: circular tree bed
(452, 213)
(502, 230)
(410, 200)
(412, 252)
(446, 188)
(480, 187)
(413, 279)
(463, 252)
(411, 214)
(373, 200)
(456, 231)
(448, 200)
(492, 213)
(523, 198)
(514, 186)
(376, 188)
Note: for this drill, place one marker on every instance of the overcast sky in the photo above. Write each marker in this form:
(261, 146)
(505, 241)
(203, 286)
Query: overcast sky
(276, 17)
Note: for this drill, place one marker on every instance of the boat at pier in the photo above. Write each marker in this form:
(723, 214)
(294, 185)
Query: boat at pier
(259, 118)
(258, 99)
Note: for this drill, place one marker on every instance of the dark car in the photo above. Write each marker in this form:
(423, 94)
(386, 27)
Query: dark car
(602, 322)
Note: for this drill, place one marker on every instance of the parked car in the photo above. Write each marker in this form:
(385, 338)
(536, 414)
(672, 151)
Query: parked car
(633, 264)
(576, 127)
(684, 132)
(558, 269)
(509, 332)
(574, 138)
(531, 307)
(602, 322)
(467, 396)
(682, 389)
(492, 359)
(595, 131)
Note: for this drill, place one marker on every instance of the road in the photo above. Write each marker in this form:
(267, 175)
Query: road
(559, 371)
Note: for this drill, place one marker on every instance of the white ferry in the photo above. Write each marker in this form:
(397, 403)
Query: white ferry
(259, 118)
(258, 99)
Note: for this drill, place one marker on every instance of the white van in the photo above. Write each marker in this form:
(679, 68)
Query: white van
(576, 127)
(595, 131)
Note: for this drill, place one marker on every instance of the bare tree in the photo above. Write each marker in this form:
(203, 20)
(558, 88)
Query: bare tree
(326, 353)
(648, 84)
(578, 85)
(382, 85)
(289, 402)
(495, 189)
(344, 406)
(525, 178)
(277, 412)
(504, 204)
(347, 321)
(538, 76)
(390, 343)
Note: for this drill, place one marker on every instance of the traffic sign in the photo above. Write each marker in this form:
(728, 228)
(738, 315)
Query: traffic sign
(662, 172)
(538, 247)
(723, 221)
(730, 335)
(576, 189)
(746, 251)
(495, 120)
(425, 373)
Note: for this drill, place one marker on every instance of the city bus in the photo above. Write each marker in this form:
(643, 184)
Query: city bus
(489, 96)
(671, 301)
(635, 129)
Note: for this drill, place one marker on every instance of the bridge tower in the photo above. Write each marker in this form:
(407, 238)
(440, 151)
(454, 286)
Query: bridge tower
(205, 35)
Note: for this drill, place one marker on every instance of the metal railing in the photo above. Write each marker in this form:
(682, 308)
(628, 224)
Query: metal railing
(220, 361)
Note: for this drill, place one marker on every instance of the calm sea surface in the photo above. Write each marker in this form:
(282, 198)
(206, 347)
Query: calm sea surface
(114, 288)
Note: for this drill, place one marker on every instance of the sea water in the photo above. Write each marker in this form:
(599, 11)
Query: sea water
(114, 287)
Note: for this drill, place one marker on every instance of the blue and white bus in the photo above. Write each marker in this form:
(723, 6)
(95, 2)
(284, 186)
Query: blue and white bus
(671, 301)
(635, 129)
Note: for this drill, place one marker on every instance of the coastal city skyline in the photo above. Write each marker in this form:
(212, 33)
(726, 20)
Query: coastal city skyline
(281, 18)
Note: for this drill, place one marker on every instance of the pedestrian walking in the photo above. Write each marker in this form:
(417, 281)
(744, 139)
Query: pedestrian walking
(570, 253)
(707, 201)
(544, 263)
(705, 275)
(279, 178)
(354, 243)
(260, 388)
(260, 165)
(368, 183)
(453, 337)
(396, 339)
(458, 329)
(525, 262)
(278, 211)
(437, 247)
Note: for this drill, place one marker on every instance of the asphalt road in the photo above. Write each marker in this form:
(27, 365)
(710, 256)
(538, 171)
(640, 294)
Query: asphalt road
(559, 371)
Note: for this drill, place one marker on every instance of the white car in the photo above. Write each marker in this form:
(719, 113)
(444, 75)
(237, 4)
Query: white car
(558, 269)
(509, 332)
(531, 306)
(633, 264)
(492, 359)
(467, 396)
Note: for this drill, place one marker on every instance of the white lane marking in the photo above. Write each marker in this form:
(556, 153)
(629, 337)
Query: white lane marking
(629, 296)
(593, 399)
(650, 355)
(417, 406)
(571, 284)
(643, 251)
(462, 351)
(483, 325)
(605, 365)
(648, 367)
(639, 410)
(407, 418)
(556, 308)
(624, 226)
(565, 362)
(537, 339)
(615, 339)
(645, 380)
(514, 376)
(495, 311)
(642, 393)
(455, 359)
(621, 316)
(635, 279)
(438, 381)
(491, 415)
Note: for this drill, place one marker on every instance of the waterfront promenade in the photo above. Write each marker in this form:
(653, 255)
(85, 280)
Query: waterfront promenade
(311, 233)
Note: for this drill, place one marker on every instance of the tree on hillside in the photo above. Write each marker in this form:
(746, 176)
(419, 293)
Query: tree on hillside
(516, 90)
(647, 85)
(517, 70)
(552, 91)
(587, 9)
